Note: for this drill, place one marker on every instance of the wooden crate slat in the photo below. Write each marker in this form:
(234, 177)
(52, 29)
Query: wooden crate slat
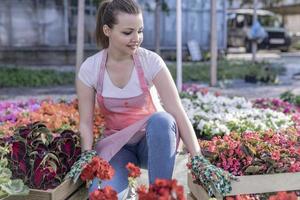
(65, 189)
(80, 194)
(253, 184)
(31, 196)
(266, 183)
(61, 192)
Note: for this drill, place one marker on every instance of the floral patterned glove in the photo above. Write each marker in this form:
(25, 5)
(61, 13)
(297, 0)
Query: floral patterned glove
(77, 167)
(214, 179)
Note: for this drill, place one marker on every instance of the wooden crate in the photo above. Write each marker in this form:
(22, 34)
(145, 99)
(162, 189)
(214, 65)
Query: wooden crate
(67, 190)
(252, 184)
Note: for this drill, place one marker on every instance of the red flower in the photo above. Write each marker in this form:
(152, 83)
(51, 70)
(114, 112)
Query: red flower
(87, 173)
(134, 171)
(275, 155)
(105, 171)
(162, 190)
(284, 196)
(97, 168)
(104, 194)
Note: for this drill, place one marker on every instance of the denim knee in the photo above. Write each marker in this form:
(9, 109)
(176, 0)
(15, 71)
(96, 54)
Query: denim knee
(161, 143)
(162, 121)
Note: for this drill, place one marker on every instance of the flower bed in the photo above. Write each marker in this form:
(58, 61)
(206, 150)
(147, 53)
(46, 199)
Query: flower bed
(257, 141)
(56, 116)
(44, 144)
(218, 115)
(264, 162)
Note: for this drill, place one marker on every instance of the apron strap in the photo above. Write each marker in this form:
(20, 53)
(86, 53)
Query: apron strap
(101, 72)
(140, 72)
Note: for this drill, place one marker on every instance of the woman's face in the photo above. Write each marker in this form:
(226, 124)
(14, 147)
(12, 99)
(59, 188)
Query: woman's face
(127, 35)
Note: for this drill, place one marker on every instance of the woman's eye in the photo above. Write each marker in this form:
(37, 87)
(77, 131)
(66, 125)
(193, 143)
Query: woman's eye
(126, 33)
(140, 31)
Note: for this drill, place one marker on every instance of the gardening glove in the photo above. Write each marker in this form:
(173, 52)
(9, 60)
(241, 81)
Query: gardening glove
(214, 179)
(77, 167)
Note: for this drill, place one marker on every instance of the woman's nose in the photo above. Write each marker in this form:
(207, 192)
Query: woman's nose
(135, 37)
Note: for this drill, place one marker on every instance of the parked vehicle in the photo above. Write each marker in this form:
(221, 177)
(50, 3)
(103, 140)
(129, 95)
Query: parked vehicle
(239, 22)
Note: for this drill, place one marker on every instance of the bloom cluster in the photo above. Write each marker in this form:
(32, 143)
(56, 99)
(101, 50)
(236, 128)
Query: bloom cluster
(163, 190)
(101, 169)
(9, 110)
(267, 196)
(97, 168)
(134, 171)
(104, 194)
(255, 152)
(56, 116)
(218, 115)
(275, 104)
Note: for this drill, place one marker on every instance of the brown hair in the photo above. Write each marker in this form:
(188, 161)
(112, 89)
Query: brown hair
(107, 13)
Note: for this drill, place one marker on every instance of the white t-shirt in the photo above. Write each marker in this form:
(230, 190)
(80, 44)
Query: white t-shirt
(151, 65)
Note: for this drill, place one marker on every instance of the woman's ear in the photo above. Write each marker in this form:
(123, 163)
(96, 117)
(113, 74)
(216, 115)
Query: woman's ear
(106, 30)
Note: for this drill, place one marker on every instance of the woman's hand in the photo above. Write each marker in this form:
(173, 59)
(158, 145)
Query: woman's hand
(214, 179)
(76, 169)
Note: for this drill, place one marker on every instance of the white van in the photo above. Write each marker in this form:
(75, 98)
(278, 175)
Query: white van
(239, 22)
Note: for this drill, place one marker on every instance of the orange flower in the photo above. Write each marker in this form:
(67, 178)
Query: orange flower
(55, 116)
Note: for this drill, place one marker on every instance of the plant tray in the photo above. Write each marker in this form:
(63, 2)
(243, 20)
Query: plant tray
(67, 190)
(253, 184)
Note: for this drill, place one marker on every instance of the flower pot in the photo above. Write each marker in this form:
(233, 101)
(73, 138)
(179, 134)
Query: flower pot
(251, 79)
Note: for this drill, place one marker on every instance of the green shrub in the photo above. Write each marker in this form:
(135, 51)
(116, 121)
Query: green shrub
(228, 69)
(192, 72)
(296, 45)
(22, 77)
(289, 96)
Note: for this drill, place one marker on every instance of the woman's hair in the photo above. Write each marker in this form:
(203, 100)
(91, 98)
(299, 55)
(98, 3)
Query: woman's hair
(107, 13)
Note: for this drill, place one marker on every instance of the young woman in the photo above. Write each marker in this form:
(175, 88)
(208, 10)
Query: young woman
(144, 117)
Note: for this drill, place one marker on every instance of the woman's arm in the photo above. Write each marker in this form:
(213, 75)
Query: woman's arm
(86, 101)
(172, 104)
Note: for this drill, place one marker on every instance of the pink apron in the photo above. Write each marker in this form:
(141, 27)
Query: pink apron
(124, 117)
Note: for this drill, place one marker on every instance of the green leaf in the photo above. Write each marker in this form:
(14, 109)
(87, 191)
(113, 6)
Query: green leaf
(249, 150)
(3, 162)
(15, 187)
(253, 169)
(5, 175)
(2, 194)
(53, 165)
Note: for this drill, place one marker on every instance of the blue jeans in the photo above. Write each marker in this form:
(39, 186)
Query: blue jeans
(156, 152)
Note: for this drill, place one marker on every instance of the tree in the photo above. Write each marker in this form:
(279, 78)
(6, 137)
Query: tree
(80, 34)
(157, 25)
(160, 6)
